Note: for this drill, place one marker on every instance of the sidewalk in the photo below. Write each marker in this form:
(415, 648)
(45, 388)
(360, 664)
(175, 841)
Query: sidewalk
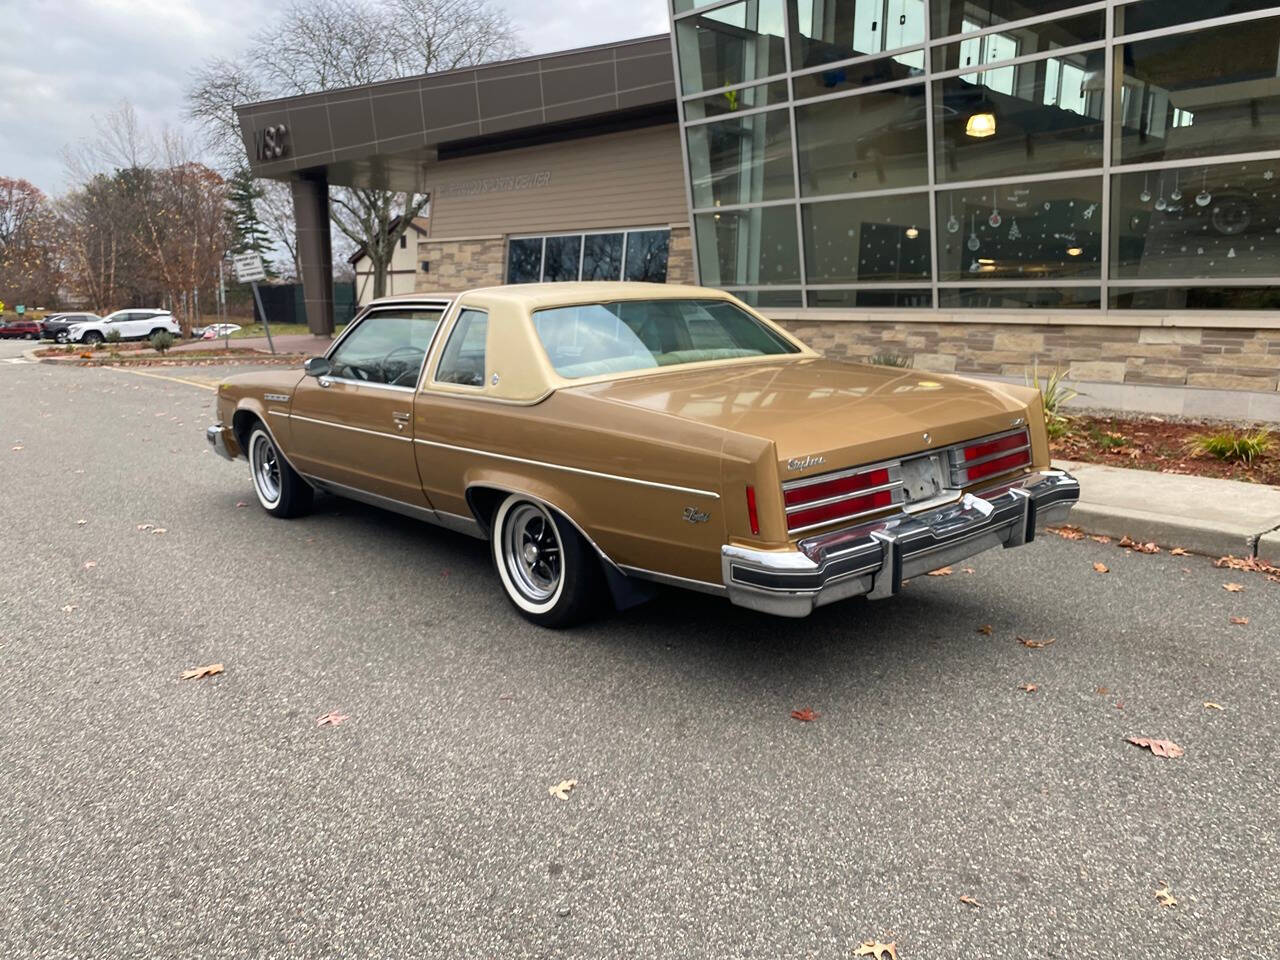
(1201, 514)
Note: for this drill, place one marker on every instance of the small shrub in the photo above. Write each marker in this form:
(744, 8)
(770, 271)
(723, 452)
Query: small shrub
(1054, 395)
(97, 345)
(162, 341)
(113, 336)
(1106, 440)
(1232, 446)
(890, 360)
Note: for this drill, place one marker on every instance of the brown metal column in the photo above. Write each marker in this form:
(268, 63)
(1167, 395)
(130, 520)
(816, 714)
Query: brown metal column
(315, 250)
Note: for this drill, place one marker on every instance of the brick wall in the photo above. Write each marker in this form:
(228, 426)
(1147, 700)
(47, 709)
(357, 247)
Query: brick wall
(1228, 359)
(458, 265)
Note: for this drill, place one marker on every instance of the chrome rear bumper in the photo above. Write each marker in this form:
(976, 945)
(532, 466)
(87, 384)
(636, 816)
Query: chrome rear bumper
(873, 559)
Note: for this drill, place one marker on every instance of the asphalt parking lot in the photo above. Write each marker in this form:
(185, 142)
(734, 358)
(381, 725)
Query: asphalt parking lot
(147, 816)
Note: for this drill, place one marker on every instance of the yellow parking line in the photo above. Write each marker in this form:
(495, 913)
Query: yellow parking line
(161, 376)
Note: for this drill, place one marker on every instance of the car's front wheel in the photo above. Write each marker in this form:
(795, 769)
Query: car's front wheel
(92, 336)
(548, 570)
(281, 491)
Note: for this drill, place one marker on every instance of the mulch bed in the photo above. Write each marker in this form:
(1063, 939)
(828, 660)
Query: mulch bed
(1156, 443)
(185, 358)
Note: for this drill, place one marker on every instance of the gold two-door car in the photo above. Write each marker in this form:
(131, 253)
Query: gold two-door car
(606, 436)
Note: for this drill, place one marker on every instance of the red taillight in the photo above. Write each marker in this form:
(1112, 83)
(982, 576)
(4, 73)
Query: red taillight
(752, 514)
(841, 509)
(989, 458)
(841, 486)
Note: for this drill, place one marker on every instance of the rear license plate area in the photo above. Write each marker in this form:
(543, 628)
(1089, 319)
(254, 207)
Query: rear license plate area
(922, 479)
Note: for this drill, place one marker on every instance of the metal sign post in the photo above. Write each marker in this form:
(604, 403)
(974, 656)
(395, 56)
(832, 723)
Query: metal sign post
(248, 267)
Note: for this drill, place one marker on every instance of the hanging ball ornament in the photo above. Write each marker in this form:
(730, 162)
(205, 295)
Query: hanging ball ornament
(1204, 198)
(953, 225)
(995, 220)
(973, 242)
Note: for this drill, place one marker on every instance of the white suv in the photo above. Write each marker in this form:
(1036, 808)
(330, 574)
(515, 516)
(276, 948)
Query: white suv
(132, 324)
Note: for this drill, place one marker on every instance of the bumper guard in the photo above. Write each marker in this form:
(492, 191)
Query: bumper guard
(873, 559)
(223, 441)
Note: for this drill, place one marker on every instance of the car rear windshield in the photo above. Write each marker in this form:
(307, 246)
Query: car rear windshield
(627, 335)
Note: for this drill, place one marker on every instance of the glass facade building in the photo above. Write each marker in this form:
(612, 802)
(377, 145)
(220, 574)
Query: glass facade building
(984, 154)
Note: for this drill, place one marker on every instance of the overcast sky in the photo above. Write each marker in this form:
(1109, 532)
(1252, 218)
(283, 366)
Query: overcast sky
(65, 61)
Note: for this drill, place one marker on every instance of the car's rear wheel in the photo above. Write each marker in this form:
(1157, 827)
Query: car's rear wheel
(281, 491)
(548, 570)
(92, 336)
(60, 336)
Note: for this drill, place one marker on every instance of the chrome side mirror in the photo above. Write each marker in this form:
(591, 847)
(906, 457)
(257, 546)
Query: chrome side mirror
(317, 367)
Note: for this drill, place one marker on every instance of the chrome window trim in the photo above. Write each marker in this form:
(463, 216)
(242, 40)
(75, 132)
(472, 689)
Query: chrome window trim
(444, 345)
(444, 303)
(560, 466)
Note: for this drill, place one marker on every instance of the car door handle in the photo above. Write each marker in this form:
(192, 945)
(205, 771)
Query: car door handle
(400, 419)
(323, 381)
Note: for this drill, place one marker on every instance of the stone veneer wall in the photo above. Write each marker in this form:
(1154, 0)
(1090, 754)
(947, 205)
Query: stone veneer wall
(462, 264)
(680, 256)
(1237, 358)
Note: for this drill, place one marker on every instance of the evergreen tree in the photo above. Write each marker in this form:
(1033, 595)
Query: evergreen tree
(248, 235)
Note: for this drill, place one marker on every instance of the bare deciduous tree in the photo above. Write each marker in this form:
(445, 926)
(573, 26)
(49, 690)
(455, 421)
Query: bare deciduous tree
(318, 45)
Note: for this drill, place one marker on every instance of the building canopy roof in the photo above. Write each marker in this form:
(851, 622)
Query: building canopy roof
(383, 134)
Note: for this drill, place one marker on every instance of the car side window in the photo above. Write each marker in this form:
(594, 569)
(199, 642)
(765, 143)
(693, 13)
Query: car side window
(387, 346)
(464, 355)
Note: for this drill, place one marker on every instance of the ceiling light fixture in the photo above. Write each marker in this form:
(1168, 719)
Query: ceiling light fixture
(1074, 251)
(981, 125)
(912, 233)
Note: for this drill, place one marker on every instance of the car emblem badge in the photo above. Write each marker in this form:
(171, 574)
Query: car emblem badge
(804, 463)
(694, 515)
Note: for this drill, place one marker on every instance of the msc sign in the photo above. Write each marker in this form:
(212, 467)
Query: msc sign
(271, 143)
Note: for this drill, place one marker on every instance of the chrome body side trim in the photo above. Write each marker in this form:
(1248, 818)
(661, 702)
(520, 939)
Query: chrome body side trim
(343, 426)
(459, 524)
(373, 499)
(578, 470)
(874, 558)
(671, 580)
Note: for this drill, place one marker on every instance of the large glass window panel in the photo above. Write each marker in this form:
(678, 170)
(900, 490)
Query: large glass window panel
(755, 247)
(1154, 14)
(1019, 42)
(647, 252)
(874, 141)
(1196, 298)
(874, 297)
(731, 101)
(1210, 222)
(602, 256)
(741, 160)
(730, 45)
(563, 255)
(1051, 121)
(1051, 229)
(867, 239)
(524, 260)
(967, 16)
(1200, 93)
(1020, 298)
(830, 30)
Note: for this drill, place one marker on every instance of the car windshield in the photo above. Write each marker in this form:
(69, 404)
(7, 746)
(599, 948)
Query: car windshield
(627, 335)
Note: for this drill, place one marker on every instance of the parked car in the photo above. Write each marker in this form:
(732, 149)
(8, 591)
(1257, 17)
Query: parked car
(215, 330)
(131, 324)
(55, 327)
(20, 330)
(602, 436)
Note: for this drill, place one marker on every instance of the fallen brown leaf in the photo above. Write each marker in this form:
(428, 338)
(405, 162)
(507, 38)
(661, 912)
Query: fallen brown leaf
(1233, 587)
(1130, 544)
(804, 715)
(985, 629)
(966, 899)
(874, 948)
(1067, 532)
(1029, 687)
(197, 673)
(16, 447)
(1101, 568)
(241, 503)
(146, 526)
(1251, 564)
(1099, 538)
(68, 608)
(941, 572)
(1165, 898)
(1102, 691)
(1179, 552)
(562, 789)
(1161, 748)
(968, 570)
(331, 719)
(90, 564)
(159, 530)
(1239, 621)
(1036, 644)
(1210, 705)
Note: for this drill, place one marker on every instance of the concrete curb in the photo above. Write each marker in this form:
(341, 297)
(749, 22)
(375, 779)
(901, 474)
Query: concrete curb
(1200, 514)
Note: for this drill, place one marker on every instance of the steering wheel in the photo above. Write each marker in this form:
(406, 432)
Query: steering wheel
(382, 364)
